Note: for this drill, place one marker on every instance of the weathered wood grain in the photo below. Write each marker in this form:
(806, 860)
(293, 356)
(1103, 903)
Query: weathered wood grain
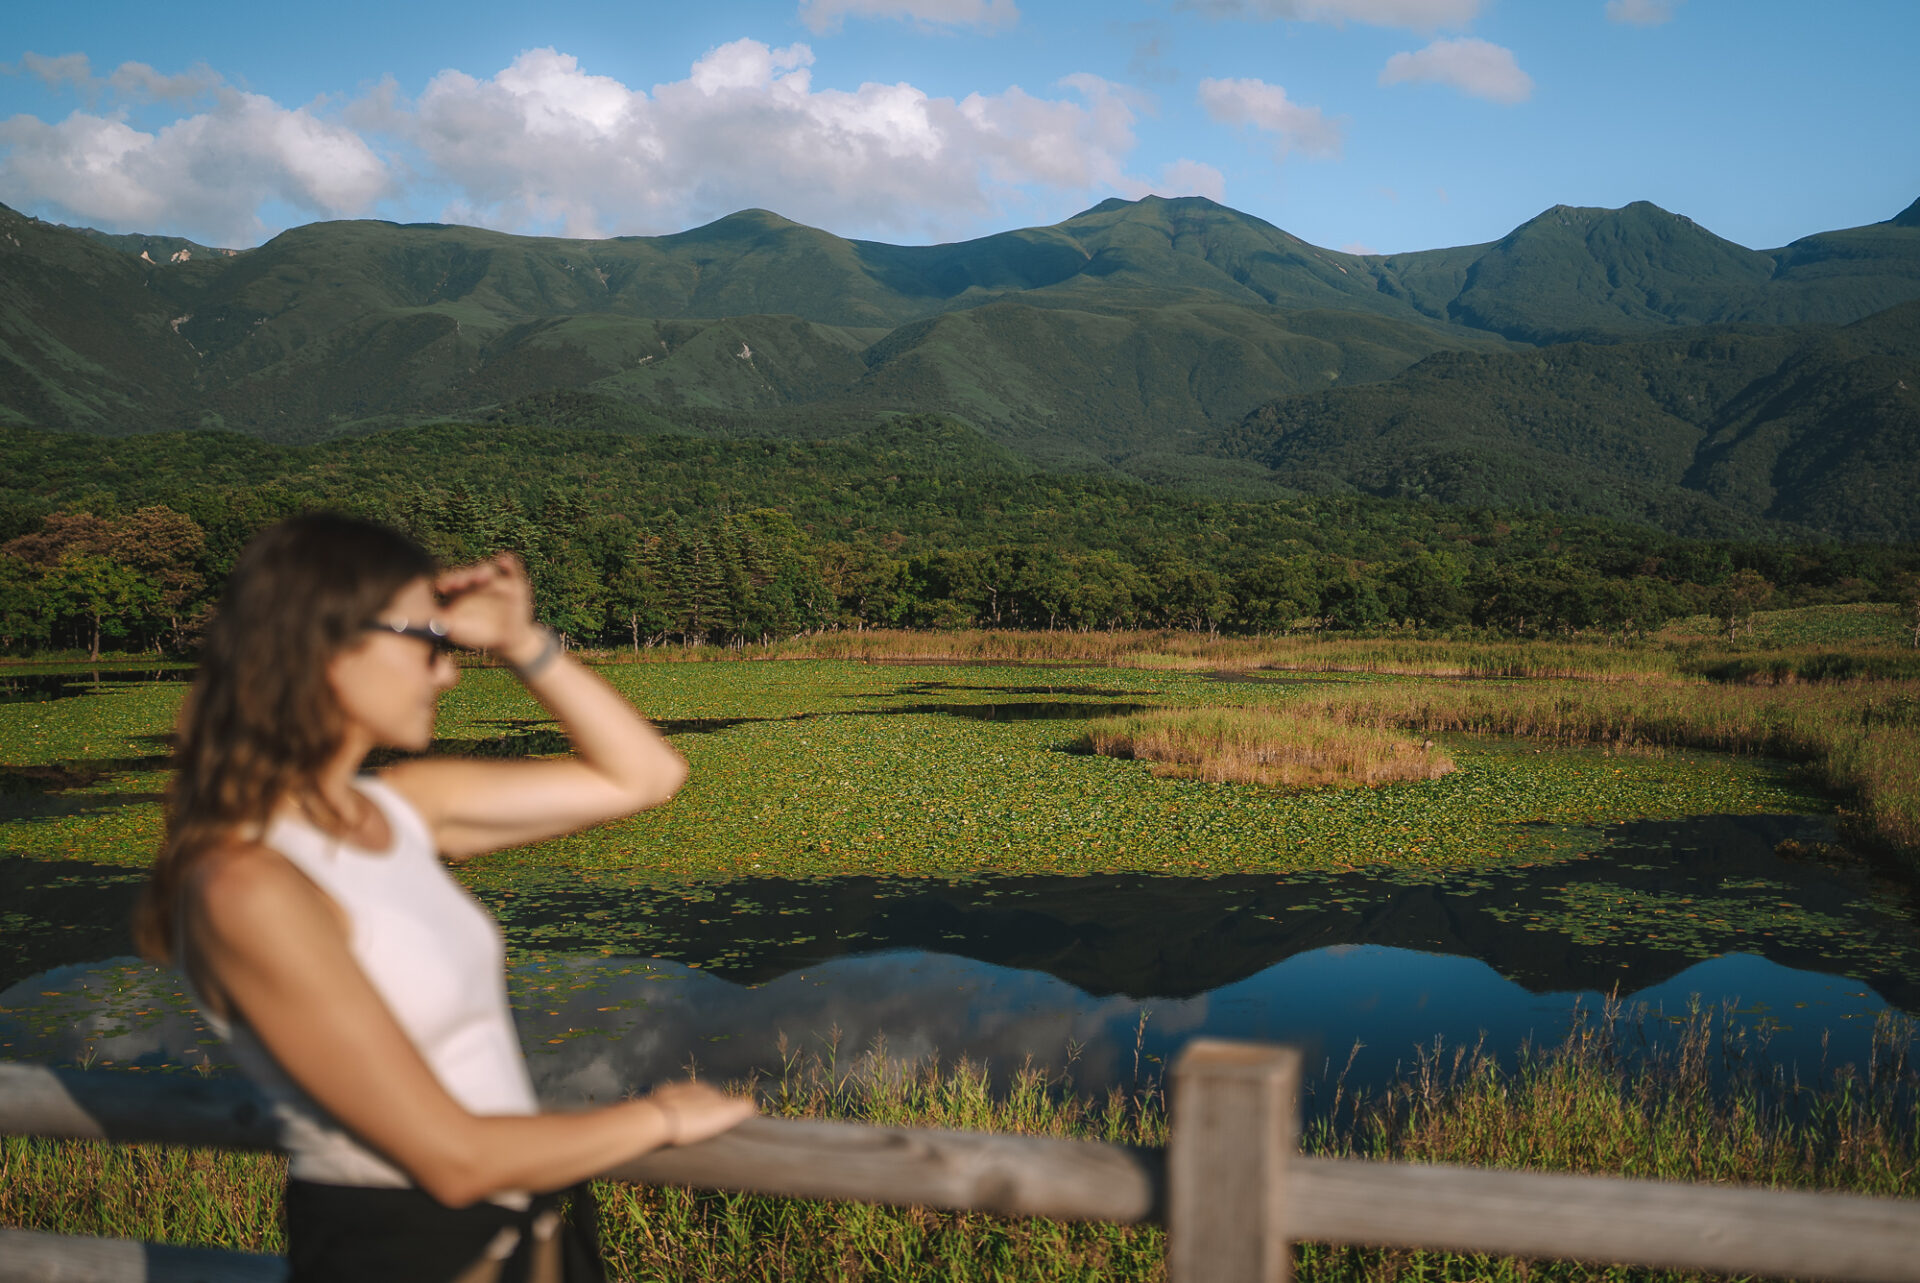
(918, 1167)
(1724, 1229)
(1235, 1130)
(176, 1109)
(27, 1257)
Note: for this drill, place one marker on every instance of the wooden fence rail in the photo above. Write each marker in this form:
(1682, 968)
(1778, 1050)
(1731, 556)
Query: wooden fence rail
(1230, 1187)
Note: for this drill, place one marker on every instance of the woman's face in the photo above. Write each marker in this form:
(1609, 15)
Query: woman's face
(387, 685)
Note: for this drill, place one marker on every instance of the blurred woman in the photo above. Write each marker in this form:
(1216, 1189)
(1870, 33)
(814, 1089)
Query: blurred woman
(356, 981)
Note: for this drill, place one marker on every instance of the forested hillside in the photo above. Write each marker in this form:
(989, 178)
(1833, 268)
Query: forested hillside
(921, 522)
(1714, 430)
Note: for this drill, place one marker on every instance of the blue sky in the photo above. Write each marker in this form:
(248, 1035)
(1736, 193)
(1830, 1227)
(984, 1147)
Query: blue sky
(1372, 125)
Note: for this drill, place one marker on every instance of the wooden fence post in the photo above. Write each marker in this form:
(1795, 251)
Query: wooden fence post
(1236, 1124)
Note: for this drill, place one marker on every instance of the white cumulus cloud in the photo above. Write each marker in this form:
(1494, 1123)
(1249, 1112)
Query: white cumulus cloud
(1414, 15)
(544, 144)
(827, 15)
(1471, 65)
(1267, 108)
(208, 172)
(1641, 13)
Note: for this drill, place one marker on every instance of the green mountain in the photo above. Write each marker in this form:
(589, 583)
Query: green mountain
(1715, 430)
(1600, 274)
(1129, 337)
(1134, 327)
(155, 249)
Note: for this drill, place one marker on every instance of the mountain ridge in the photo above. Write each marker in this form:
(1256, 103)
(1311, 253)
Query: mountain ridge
(1132, 335)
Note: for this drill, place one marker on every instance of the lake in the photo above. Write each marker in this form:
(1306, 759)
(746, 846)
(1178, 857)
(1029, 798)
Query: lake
(1110, 975)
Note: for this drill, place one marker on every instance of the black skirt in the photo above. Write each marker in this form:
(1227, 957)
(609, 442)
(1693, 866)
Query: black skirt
(355, 1234)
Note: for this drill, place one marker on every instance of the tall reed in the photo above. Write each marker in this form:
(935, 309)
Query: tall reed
(1274, 746)
(1166, 649)
(1622, 1094)
(1594, 658)
(1862, 741)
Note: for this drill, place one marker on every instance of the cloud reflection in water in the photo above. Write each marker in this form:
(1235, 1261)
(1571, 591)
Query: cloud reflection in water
(598, 1027)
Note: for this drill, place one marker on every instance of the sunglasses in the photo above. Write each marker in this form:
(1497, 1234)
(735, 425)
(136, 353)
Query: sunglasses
(433, 632)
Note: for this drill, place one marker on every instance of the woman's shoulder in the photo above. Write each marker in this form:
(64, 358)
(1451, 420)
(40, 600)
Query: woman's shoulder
(237, 871)
(242, 885)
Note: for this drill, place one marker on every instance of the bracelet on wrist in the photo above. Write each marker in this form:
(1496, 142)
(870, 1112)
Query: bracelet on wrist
(549, 651)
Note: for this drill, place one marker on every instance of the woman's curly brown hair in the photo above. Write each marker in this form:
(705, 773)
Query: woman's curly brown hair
(261, 719)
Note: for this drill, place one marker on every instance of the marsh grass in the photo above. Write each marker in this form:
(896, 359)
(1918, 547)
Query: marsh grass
(1693, 1099)
(1187, 651)
(152, 1192)
(1272, 746)
(1859, 741)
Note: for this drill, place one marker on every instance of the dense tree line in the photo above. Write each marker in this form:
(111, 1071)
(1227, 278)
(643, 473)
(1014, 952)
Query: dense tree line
(143, 578)
(918, 522)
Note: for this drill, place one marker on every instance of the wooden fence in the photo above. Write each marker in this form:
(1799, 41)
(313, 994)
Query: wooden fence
(1231, 1187)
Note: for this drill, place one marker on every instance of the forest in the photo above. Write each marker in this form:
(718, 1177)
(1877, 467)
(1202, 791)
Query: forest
(915, 522)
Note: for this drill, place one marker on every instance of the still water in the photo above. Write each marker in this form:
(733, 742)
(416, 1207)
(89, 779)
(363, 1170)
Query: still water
(1113, 974)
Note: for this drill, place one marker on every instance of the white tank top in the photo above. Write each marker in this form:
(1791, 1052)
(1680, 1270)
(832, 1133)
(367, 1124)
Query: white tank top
(437, 959)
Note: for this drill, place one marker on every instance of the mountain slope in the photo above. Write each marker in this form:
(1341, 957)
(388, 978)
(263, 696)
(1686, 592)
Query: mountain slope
(1710, 431)
(1130, 335)
(85, 343)
(1600, 274)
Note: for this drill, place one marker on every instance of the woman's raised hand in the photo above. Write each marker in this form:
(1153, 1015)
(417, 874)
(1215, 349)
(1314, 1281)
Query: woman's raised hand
(489, 606)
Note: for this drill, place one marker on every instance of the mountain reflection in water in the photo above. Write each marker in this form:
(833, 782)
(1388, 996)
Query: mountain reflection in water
(1117, 972)
(600, 1027)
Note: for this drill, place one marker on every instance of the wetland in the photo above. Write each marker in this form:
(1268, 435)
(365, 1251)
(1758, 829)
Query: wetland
(926, 857)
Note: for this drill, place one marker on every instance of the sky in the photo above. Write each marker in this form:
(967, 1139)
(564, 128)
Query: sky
(1374, 126)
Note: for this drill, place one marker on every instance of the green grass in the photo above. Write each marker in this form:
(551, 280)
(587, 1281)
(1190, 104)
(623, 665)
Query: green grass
(1693, 1102)
(843, 778)
(841, 768)
(1855, 625)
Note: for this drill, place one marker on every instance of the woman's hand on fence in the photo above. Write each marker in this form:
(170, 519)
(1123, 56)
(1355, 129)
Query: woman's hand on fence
(490, 607)
(693, 1112)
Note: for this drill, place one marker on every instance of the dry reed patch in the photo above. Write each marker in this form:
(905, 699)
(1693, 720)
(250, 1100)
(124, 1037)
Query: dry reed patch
(1858, 739)
(1268, 746)
(1172, 650)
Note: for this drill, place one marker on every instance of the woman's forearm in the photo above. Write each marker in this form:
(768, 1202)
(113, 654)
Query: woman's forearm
(609, 736)
(551, 1151)
(539, 1152)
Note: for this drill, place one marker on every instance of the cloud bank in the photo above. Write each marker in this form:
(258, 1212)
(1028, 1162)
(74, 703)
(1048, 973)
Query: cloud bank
(544, 145)
(1475, 67)
(210, 172)
(1641, 13)
(1414, 15)
(1267, 108)
(827, 15)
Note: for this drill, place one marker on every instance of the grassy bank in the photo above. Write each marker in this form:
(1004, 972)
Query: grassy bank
(1830, 643)
(1697, 1105)
(1862, 742)
(1276, 746)
(1185, 651)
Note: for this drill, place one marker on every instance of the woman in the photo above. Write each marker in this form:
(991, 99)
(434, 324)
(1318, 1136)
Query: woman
(356, 981)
